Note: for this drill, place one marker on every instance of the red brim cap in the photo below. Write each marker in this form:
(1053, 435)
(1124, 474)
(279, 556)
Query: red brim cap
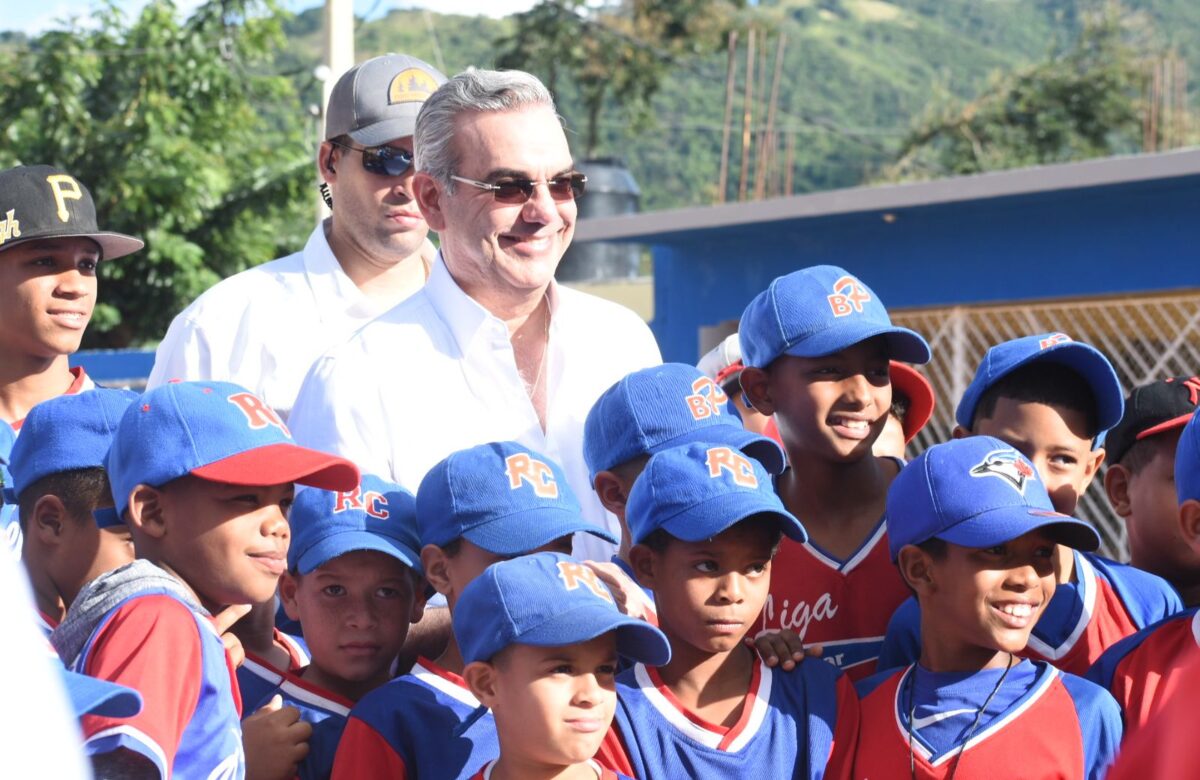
(1166, 425)
(921, 401)
(278, 464)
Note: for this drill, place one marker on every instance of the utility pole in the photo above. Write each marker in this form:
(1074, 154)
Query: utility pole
(339, 58)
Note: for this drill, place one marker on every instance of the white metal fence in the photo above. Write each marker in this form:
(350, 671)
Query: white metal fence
(1145, 337)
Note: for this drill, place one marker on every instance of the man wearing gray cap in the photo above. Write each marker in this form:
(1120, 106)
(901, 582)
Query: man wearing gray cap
(264, 327)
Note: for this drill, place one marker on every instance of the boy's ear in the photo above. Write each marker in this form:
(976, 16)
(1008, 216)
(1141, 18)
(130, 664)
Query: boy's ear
(916, 569)
(611, 492)
(481, 679)
(641, 558)
(1116, 487)
(756, 385)
(419, 598)
(48, 521)
(288, 585)
(959, 432)
(1092, 464)
(147, 512)
(434, 561)
(1189, 523)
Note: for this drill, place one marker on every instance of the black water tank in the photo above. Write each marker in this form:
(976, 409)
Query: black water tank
(611, 191)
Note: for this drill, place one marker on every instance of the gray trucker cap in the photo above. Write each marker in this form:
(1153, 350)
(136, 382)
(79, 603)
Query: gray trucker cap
(377, 101)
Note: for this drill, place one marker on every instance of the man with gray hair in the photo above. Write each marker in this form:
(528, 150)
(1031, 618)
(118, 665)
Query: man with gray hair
(491, 349)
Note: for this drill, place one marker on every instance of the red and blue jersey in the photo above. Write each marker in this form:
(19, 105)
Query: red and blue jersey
(1143, 670)
(325, 711)
(844, 606)
(1167, 747)
(405, 729)
(190, 724)
(798, 724)
(1107, 602)
(1057, 726)
(258, 678)
(601, 772)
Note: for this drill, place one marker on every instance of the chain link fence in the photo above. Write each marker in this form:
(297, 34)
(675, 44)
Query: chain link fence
(1146, 337)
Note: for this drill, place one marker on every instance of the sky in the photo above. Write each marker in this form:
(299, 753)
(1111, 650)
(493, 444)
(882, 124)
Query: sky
(34, 18)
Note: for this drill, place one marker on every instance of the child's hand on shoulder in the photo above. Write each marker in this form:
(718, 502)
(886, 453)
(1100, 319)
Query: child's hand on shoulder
(223, 621)
(629, 596)
(786, 646)
(275, 740)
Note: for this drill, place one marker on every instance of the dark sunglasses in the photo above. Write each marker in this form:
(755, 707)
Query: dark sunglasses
(568, 186)
(382, 160)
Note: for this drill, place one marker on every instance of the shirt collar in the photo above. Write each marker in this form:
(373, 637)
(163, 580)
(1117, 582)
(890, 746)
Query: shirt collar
(330, 285)
(463, 315)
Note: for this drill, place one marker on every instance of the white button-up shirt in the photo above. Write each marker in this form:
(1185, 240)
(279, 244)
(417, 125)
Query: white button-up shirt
(436, 374)
(264, 327)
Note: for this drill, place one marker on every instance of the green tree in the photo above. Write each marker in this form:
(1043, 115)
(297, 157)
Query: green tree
(181, 138)
(620, 51)
(1086, 103)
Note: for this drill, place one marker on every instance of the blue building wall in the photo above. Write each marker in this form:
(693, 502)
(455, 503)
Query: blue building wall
(1060, 244)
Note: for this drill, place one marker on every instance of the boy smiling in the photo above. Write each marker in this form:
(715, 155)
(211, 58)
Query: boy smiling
(202, 473)
(973, 532)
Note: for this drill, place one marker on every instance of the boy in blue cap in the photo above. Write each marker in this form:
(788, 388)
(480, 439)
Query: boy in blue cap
(706, 524)
(816, 346)
(540, 635)
(1144, 670)
(202, 473)
(354, 580)
(58, 483)
(973, 533)
(654, 409)
(1050, 398)
(476, 507)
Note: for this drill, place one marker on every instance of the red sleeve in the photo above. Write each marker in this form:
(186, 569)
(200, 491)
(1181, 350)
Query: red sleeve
(362, 752)
(845, 734)
(613, 753)
(151, 644)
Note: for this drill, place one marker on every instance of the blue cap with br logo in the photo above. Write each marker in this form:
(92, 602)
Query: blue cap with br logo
(818, 311)
(696, 491)
(377, 515)
(662, 407)
(975, 492)
(547, 600)
(502, 497)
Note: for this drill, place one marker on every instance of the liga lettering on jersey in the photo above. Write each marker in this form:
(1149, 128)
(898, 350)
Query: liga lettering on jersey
(189, 725)
(325, 711)
(1144, 670)
(844, 606)
(1062, 726)
(1108, 602)
(798, 724)
(405, 729)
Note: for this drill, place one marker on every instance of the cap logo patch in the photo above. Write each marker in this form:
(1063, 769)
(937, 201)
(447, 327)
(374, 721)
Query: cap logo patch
(739, 467)
(258, 414)
(706, 399)
(411, 85)
(373, 503)
(1191, 383)
(521, 468)
(1008, 466)
(848, 296)
(65, 188)
(575, 574)
(1054, 338)
(10, 227)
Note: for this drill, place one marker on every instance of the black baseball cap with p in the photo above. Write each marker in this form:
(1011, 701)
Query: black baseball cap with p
(42, 202)
(377, 101)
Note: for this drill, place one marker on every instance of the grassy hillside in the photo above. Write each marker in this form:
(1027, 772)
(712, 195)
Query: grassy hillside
(857, 73)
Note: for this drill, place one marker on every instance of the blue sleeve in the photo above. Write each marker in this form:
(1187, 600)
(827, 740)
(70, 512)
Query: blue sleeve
(1148, 597)
(1099, 725)
(1104, 668)
(322, 747)
(821, 699)
(902, 643)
